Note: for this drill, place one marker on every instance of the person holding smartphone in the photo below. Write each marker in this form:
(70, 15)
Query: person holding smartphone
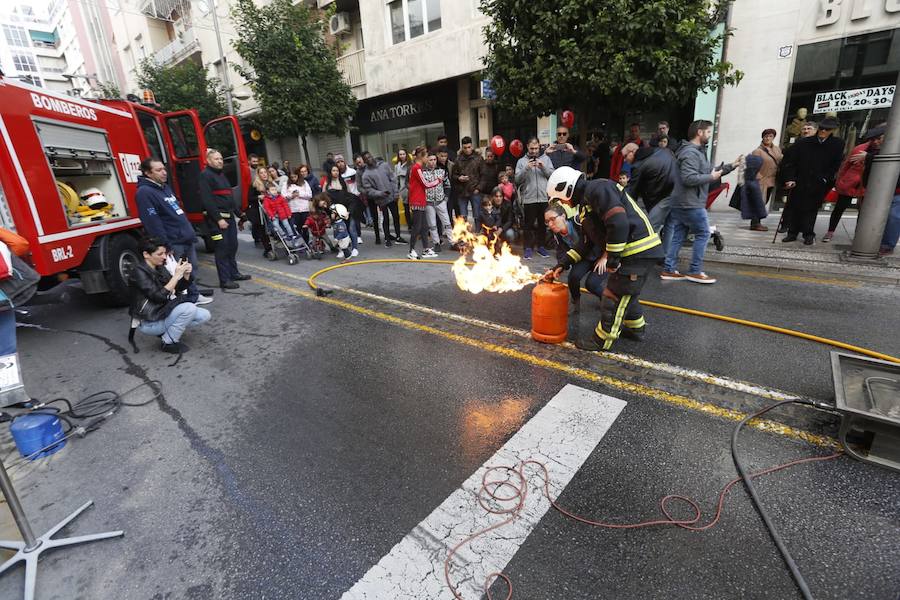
(532, 172)
(563, 153)
(159, 305)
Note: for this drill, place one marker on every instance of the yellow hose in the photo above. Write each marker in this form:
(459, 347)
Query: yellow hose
(680, 309)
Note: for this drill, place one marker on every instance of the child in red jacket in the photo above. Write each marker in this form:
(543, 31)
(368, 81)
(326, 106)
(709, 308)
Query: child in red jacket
(279, 213)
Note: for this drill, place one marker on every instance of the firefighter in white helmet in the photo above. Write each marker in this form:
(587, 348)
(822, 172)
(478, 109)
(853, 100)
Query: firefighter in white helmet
(611, 219)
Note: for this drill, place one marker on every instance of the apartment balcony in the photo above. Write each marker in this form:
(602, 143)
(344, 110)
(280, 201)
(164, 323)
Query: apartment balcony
(163, 9)
(181, 48)
(353, 67)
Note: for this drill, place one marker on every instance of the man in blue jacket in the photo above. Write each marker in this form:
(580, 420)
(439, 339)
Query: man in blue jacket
(164, 219)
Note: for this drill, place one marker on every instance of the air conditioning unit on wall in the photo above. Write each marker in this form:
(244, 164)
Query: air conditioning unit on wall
(339, 23)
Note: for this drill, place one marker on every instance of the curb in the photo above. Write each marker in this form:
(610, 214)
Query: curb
(804, 262)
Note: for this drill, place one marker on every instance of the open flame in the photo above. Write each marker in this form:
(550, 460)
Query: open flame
(495, 269)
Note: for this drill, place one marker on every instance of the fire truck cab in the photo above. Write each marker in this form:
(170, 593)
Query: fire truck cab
(68, 178)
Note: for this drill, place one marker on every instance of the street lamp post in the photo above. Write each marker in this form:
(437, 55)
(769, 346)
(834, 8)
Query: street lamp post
(880, 192)
(229, 103)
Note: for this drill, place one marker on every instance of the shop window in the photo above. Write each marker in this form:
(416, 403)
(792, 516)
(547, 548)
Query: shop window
(413, 18)
(848, 77)
(877, 53)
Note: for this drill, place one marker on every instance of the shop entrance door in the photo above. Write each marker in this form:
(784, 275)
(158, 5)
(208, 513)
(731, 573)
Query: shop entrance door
(387, 143)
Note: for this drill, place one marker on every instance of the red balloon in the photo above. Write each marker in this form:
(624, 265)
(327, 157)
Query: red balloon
(568, 118)
(516, 148)
(498, 145)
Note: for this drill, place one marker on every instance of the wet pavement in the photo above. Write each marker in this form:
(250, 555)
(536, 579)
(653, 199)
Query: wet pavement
(301, 439)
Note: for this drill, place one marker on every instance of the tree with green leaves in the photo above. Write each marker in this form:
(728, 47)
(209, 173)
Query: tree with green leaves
(110, 91)
(291, 69)
(183, 86)
(546, 55)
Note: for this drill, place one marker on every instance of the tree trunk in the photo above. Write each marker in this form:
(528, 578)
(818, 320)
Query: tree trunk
(582, 119)
(306, 151)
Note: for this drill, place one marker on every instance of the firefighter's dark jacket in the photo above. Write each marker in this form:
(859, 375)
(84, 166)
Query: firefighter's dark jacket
(609, 216)
(216, 195)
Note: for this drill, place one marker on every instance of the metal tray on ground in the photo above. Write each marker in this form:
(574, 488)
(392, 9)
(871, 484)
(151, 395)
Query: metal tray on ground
(867, 394)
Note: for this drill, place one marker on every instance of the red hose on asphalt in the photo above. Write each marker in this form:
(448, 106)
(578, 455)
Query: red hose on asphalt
(491, 488)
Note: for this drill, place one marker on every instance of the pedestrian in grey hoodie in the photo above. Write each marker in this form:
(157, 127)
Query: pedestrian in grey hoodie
(688, 205)
(532, 172)
(380, 187)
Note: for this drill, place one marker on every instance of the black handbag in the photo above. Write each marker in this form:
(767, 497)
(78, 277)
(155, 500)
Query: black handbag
(735, 201)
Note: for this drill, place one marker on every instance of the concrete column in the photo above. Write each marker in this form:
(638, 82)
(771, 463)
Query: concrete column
(466, 127)
(546, 128)
(880, 192)
(485, 126)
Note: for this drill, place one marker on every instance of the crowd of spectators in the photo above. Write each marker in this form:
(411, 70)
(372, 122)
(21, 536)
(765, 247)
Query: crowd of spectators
(670, 179)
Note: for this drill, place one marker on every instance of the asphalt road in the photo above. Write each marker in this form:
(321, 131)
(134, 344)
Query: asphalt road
(300, 440)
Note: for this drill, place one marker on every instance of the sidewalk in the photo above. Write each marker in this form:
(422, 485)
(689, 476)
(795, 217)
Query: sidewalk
(745, 247)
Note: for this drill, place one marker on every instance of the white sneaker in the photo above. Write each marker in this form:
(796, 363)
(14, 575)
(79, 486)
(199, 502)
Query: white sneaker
(359, 241)
(354, 253)
(201, 299)
(412, 255)
(429, 253)
(340, 254)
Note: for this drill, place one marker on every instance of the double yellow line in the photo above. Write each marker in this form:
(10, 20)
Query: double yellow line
(680, 309)
(573, 371)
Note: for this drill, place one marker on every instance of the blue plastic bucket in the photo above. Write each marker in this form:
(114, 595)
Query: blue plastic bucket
(35, 431)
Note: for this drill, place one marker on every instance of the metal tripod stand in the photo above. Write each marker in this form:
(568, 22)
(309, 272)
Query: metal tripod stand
(29, 550)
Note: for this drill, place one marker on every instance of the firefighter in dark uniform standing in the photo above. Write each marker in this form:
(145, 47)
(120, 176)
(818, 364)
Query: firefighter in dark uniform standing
(611, 219)
(220, 210)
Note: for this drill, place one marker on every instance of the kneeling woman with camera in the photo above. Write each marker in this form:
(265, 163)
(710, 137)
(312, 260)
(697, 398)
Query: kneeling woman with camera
(160, 303)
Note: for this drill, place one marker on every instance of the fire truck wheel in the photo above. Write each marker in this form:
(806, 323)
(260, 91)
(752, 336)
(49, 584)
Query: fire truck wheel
(121, 257)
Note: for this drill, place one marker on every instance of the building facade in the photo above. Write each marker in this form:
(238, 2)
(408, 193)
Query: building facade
(811, 57)
(62, 45)
(413, 65)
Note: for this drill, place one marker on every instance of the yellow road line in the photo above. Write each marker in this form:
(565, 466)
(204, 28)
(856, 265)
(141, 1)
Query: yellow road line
(802, 279)
(632, 388)
(627, 359)
(687, 311)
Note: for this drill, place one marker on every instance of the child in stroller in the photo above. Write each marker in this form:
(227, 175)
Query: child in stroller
(317, 224)
(279, 213)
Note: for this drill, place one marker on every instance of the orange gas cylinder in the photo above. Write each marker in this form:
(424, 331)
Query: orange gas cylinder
(550, 312)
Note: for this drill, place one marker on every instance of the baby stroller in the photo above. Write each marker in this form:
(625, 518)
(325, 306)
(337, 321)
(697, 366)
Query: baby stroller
(279, 243)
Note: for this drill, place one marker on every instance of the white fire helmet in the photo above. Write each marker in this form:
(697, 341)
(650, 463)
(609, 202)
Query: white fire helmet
(341, 211)
(561, 184)
(93, 198)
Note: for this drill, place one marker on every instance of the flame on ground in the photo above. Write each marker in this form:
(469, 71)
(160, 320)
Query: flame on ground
(496, 268)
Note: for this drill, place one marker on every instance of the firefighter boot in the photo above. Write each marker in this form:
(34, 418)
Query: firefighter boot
(634, 324)
(605, 334)
(636, 333)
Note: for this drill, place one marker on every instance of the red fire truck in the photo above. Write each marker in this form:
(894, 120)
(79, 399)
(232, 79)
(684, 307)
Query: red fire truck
(68, 177)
